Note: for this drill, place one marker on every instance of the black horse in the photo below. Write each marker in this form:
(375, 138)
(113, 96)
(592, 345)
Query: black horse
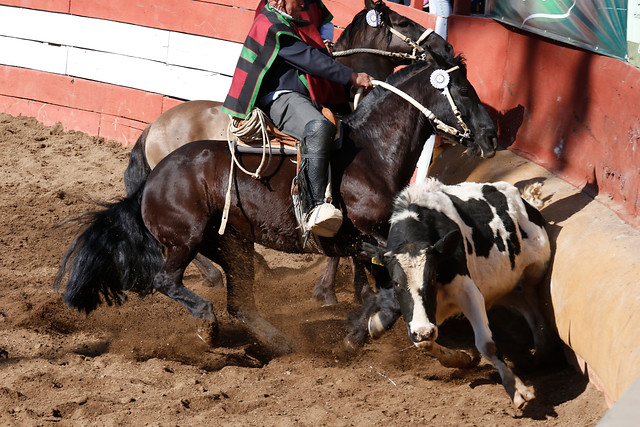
(181, 203)
(199, 120)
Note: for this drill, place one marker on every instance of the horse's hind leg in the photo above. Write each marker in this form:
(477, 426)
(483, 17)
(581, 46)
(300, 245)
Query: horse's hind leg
(236, 257)
(325, 291)
(168, 281)
(211, 276)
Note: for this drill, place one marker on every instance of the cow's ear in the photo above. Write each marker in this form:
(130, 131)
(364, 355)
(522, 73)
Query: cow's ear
(448, 244)
(376, 253)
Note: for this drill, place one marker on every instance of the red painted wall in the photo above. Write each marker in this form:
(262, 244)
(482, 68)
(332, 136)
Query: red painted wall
(574, 112)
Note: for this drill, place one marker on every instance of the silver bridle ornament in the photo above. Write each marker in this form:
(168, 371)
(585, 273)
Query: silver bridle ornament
(374, 20)
(441, 78)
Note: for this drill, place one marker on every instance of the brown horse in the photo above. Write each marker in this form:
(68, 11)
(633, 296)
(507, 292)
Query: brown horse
(200, 120)
(182, 201)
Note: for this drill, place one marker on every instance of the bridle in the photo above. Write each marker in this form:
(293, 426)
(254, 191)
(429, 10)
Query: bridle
(440, 80)
(374, 20)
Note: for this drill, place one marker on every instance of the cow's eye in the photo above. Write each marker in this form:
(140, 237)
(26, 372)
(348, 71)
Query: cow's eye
(396, 285)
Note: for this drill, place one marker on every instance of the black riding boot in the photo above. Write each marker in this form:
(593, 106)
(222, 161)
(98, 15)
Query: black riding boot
(322, 219)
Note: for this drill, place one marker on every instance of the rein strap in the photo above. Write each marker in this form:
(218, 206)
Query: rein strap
(424, 110)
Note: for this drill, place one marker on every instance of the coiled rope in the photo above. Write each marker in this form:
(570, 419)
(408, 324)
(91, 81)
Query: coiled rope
(253, 128)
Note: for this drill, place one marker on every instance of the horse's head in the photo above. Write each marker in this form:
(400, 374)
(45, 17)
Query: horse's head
(426, 39)
(392, 40)
(441, 85)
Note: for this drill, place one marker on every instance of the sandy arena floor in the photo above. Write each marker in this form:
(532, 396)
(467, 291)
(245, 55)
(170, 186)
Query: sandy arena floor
(142, 363)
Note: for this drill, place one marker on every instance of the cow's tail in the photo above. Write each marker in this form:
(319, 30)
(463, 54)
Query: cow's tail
(113, 254)
(138, 168)
(532, 193)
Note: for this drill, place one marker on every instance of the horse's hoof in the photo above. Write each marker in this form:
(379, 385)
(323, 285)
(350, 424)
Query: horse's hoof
(208, 332)
(355, 340)
(327, 298)
(350, 345)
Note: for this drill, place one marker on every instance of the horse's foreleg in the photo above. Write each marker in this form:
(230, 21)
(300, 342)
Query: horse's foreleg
(361, 288)
(211, 276)
(379, 310)
(325, 291)
(236, 257)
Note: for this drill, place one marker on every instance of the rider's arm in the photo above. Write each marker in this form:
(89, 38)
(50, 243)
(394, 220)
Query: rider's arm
(313, 61)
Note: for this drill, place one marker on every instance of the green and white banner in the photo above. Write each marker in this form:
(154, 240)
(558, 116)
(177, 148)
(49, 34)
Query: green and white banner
(633, 32)
(597, 25)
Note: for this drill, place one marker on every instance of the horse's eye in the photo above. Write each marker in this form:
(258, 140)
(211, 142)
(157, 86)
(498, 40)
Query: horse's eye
(464, 91)
(403, 24)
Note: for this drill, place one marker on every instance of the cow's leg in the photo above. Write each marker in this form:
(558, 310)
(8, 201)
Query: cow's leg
(451, 358)
(471, 302)
(524, 298)
(168, 281)
(211, 276)
(235, 255)
(324, 291)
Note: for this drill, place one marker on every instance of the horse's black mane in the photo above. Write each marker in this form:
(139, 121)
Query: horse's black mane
(439, 60)
(360, 21)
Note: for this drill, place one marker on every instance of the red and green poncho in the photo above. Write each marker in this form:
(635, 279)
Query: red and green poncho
(260, 50)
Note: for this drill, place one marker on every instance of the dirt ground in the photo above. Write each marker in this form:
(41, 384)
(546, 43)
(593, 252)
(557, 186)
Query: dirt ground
(142, 364)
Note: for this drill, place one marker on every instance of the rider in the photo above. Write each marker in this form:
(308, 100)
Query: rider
(281, 69)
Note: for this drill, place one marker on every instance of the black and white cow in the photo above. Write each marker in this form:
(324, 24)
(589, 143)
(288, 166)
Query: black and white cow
(462, 248)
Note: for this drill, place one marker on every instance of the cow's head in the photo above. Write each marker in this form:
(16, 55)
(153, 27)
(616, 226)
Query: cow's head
(413, 267)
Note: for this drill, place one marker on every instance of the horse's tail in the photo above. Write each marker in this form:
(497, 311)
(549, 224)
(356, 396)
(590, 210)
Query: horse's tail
(115, 253)
(138, 168)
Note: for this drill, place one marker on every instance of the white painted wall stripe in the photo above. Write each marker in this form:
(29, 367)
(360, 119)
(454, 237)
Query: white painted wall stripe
(167, 62)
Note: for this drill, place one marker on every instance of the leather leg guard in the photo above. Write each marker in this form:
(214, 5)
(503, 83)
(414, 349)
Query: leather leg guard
(324, 219)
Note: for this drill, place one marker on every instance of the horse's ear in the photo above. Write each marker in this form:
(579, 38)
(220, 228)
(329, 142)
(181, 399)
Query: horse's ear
(368, 4)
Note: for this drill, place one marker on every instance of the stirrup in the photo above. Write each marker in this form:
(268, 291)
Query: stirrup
(323, 220)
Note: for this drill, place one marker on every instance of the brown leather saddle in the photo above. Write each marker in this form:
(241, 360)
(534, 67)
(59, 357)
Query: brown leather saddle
(280, 143)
